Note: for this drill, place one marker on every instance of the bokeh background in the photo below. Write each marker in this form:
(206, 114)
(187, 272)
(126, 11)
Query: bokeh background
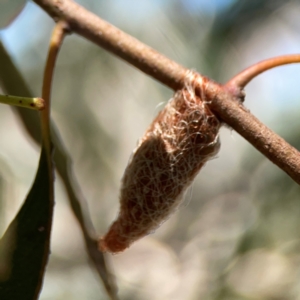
(236, 235)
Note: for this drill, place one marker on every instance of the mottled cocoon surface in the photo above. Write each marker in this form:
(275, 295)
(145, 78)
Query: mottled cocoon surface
(177, 144)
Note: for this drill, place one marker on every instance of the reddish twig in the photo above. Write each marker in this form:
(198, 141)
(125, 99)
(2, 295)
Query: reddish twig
(244, 77)
(54, 47)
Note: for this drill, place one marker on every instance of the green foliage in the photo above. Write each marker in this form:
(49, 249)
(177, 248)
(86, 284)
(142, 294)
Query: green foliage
(24, 248)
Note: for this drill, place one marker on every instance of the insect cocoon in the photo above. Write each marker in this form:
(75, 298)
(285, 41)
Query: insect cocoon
(177, 144)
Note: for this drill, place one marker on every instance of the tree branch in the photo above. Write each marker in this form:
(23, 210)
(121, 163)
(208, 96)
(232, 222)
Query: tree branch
(149, 61)
(275, 148)
(114, 40)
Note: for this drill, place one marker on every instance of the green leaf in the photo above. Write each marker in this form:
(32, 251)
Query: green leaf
(9, 10)
(25, 246)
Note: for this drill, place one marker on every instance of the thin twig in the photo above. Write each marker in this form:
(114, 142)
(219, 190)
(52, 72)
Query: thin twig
(80, 210)
(14, 83)
(90, 241)
(54, 47)
(173, 75)
(46, 151)
(244, 77)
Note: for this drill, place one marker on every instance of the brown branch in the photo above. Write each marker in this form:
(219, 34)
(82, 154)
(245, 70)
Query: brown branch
(173, 75)
(54, 47)
(275, 148)
(244, 77)
(116, 41)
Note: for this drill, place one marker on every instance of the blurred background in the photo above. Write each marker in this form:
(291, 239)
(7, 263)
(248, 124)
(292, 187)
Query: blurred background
(236, 235)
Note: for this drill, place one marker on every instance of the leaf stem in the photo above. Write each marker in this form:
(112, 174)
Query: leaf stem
(244, 77)
(31, 103)
(54, 47)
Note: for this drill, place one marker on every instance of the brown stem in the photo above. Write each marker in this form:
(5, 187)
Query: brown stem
(80, 210)
(244, 77)
(275, 148)
(91, 242)
(173, 75)
(54, 47)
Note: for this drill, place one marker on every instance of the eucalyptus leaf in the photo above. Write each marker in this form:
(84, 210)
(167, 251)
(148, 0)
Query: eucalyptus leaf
(9, 10)
(25, 246)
